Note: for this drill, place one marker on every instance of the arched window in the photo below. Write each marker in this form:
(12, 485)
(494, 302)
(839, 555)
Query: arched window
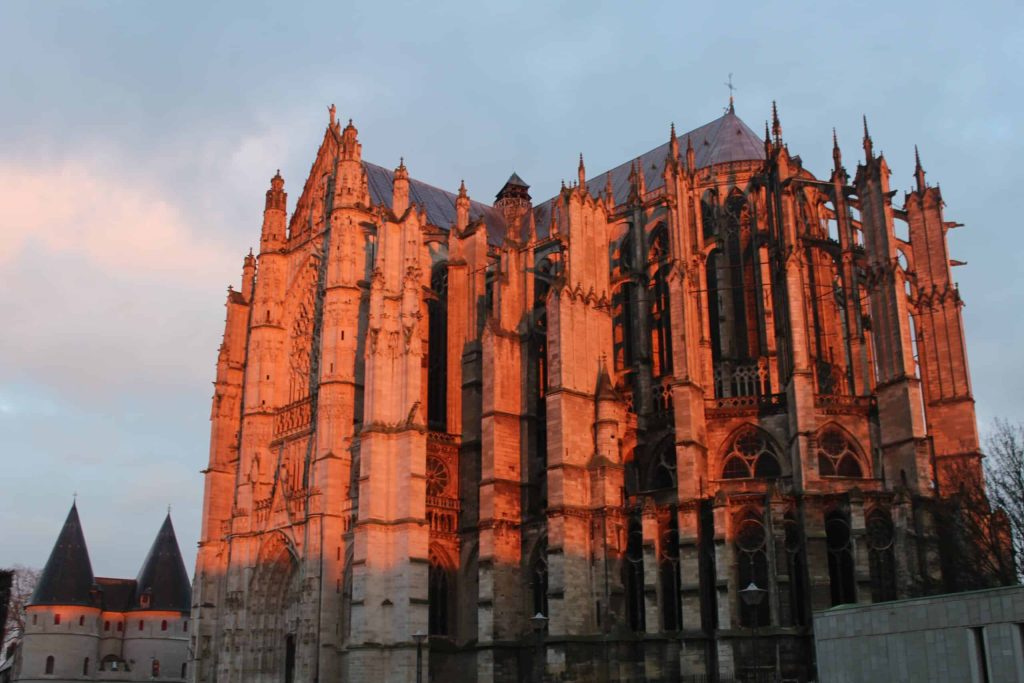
(85, 667)
(441, 594)
(796, 565)
(839, 543)
(661, 467)
(163, 625)
(670, 575)
(881, 556)
(751, 455)
(141, 624)
(623, 305)
(437, 350)
(184, 670)
(633, 568)
(56, 619)
(81, 620)
(837, 456)
(658, 299)
(49, 664)
(752, 566)
(539, 579)
(106, 625)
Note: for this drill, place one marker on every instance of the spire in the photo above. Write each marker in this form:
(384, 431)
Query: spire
(582, 173)
(462, 207)
(837, 156)
(609, 189)
(868, 148)
(605, 390)
(67, 577)
(333, 113)
(673, 143)
(691, 156)
(918, 171)
(641, 181)
(163, 577)
(400, 189)
(776, 125)
(767, 141)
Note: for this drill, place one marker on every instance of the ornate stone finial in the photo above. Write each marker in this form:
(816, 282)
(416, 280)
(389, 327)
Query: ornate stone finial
(837, 156)
(582, 172)
(462, 189)
(776, 124)
(609, 189)
(767, 141)
(673, 143)
(868, 146)
(333, 111)
(691, 156)
(918, 171)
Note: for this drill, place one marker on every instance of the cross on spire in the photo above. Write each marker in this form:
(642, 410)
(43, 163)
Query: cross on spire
(732, 89)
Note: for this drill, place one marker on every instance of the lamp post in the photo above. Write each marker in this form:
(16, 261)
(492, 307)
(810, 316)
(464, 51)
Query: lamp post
(753, 596)
(419, 637)
(539, 622)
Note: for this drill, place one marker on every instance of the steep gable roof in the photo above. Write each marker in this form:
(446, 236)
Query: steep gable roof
(439, 204)
(67, 577)
(163, 575)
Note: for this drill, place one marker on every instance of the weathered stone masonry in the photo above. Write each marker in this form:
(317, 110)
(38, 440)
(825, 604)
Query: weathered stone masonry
(703, 368)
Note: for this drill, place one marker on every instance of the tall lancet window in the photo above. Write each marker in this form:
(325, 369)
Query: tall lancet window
(437, 350)
(633, 579)
(661, 324)
(441, 594)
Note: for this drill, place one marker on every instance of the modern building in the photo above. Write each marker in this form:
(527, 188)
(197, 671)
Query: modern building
(84, 628)
(970, 637)
(557, 439)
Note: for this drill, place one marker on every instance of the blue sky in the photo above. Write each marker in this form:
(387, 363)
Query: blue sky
(137, 140)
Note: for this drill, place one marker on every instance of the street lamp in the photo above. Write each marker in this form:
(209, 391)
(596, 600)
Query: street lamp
(539, 622)
(419, 637)
(753, 596)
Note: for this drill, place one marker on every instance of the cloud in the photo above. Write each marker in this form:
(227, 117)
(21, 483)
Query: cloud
(107, 288)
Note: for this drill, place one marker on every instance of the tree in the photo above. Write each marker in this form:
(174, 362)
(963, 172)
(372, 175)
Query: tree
(23, 583)
(1004, 472)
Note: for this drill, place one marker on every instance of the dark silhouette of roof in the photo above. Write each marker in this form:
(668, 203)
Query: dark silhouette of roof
(163, 577)
(116, 595)
(67, 577)
(726, 139)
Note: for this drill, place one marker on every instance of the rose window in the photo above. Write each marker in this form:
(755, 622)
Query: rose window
(437, 477)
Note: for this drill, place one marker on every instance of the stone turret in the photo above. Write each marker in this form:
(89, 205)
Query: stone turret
(273, 236)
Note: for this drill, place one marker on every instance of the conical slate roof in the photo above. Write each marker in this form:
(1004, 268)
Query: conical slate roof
(163, 577)
(67, 577)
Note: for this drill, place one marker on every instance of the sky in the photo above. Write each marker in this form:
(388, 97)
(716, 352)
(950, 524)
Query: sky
(137, 141)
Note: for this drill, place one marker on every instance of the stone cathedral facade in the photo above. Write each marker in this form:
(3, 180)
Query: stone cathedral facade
(704, 368)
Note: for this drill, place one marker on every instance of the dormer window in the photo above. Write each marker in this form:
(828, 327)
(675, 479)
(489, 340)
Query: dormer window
(144, 601)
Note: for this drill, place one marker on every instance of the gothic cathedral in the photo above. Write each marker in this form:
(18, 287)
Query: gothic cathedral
(557, 440)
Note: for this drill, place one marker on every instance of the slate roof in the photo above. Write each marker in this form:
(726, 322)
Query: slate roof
(163, 574)
(116, 595)
(439, 204)
(723, 140)
(67, 577)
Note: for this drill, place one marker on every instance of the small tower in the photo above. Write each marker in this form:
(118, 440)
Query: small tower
(163, 584)
(67, 577)
(274, 212)
(513, 200)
